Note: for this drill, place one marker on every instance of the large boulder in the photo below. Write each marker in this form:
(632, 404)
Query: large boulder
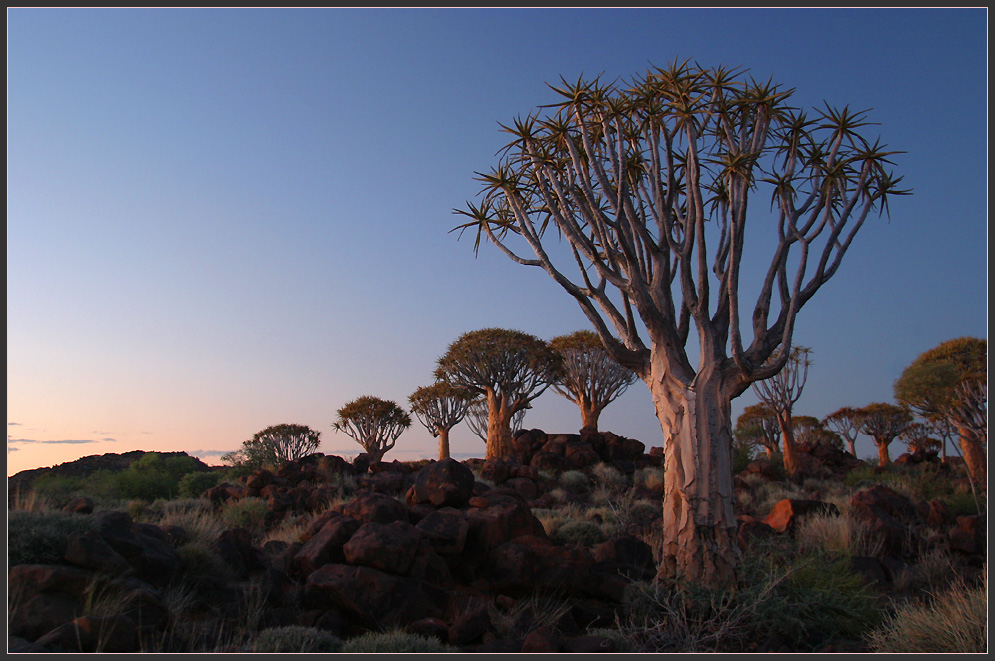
(368, 506)
(890, 516)
(325, 546)
(444, 483)
(389, 547)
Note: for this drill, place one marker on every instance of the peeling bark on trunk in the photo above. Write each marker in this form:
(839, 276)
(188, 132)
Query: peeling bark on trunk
(589, 415)
(975, 458)
(790, 453)
(852, 445)
(699, 524)
(883, 458)
(443, 443)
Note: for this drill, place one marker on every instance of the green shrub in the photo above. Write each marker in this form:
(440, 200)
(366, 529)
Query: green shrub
(575, 481)
(296, 639)
(248, 513)
(37, 538)
(608, 477)
(192, 485)
(394, 642)
(585, 533)
(60, 488)
(956, 621)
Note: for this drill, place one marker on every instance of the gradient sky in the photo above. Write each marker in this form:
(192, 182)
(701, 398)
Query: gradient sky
(222, 220)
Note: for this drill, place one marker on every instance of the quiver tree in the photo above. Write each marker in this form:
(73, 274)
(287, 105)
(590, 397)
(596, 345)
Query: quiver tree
(589, 376)
(780, 392)
(845, 422)
(917, 437)
(440, 407)
(884, 423)
(507, 368)
(647, 182)
(949, 383)
(477, 415)
(372, 422)
(274, 445)
(758, 423)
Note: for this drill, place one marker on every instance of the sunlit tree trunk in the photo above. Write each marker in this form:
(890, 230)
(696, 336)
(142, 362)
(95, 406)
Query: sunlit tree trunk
(699, 524)
(443, 443)
(498, 427)
(789, 448)
(975, 457)
(883, 457)
(589, 415)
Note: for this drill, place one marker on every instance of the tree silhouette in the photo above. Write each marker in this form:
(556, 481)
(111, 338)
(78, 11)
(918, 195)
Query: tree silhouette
(508, 368)
(440, 407)
(845, 422)
(374, 423)
(647, 182)
(780, 392)
(759, 423)
(884, 422)
(589, 376)
(274, 445)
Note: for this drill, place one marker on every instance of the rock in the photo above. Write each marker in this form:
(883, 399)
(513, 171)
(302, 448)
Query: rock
(751, 529)
(326, 545)
(446, 530)
(542, 640)
(389, 547)
(786, 513)
(626, 555)
(970, 535)
(889, 515)
(110, 634)
(235, 548)
(40, 613)
(430, 627)
(445, 483)
(370, 598)
(544, 460)
(497, 469)
(79, 505)
(470, 627)
(89, 551)
(499, 519)
(367, 506)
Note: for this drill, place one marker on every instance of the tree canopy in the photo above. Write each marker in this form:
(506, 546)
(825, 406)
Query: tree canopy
(589, 376)
(374, 423)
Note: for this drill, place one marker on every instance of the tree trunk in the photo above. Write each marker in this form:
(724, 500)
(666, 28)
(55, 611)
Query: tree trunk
(443, 442)
(498, 428)
(974, 458)
(883, 458)
(790, 450)
(699, 524)
(589, 415)
(852, 444)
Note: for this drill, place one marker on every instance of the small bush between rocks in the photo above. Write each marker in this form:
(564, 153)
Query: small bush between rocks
(584, 533)
(296, 639)
(39, 538)
(394, 642)
(248, 513)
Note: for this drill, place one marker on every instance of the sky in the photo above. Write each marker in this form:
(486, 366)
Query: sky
(222, 220)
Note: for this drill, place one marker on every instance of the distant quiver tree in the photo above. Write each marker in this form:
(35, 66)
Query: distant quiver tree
(845, 422)
(589, 376)
(884, 422)
(758, 423)
(508, 368)
(374, 423)
(780, 392)
(633, 196)
(440, 407)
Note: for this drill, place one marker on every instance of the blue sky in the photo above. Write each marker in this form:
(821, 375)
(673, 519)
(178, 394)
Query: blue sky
(221, 220)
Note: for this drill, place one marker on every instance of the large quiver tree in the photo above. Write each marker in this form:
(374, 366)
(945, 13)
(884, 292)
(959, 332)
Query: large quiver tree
(589, 376)
(508, 368)
(649, 182)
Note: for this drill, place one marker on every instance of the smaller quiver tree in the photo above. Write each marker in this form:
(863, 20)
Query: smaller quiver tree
(374, 423)
(884, 423)
(780, 392)
(440, 407)
(845, 421)
(589, 376)
(508, 368)
(918, 438)
(758, 423)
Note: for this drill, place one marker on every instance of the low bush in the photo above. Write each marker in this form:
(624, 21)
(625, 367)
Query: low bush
(39, 538)
(583, 533)
(248, 513)
(192, 485)
(296, 639)
(395, 642)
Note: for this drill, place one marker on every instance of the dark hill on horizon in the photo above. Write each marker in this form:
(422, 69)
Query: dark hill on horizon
(85, 466)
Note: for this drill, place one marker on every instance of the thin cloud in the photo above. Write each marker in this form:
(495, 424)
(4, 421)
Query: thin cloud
(68, 441)
(14, 424)
(10, 449)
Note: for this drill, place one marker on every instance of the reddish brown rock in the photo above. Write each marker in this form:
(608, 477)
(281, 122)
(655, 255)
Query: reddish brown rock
(786, 513)
(889, 515)
(445, 530)
(389, 547)
(325, 546)
(501, 519)
(79, 505)
(470, 627)
(111, 634)
(445, 483)
(367, 506)
(89, 551)
(542, 640)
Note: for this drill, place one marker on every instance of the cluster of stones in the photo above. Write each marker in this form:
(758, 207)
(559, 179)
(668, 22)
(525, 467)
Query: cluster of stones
(437, 563)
